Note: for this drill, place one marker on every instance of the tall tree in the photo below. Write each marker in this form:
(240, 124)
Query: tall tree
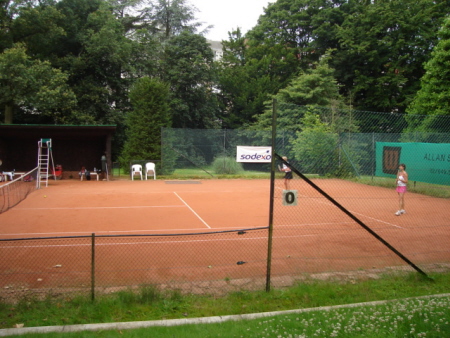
(170, 17)
(313, 87)
(382, 50)
(289, 37)
(241, 94)
(84, 40)
(304, 28)
(433, 98)
(150, 101)
(379, 47)
(35, 86)
(39, 28)
(124, 10)
(96, 53)
(188, 68)
(9, 10)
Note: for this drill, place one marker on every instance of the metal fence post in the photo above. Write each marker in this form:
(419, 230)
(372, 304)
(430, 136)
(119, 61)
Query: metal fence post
(272, 188)
(93, 267)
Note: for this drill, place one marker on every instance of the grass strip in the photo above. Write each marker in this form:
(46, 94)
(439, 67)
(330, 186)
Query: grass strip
(148, 303)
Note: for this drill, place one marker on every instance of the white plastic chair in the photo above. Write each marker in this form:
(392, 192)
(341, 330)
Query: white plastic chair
(150, 167)
(10, 174)
(136, 169)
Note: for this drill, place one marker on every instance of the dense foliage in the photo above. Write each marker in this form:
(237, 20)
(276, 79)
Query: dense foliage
(150, 113)
(433, 98)
(75, 61)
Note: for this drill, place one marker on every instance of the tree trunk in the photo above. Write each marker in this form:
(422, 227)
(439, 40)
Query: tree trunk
(8, 113)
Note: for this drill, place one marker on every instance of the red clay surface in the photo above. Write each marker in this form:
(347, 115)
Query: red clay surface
(313, 236)
(138, 207)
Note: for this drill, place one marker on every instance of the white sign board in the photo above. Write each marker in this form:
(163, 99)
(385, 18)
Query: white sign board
(254, 154)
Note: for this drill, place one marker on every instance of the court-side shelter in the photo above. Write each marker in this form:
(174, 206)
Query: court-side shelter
(72, 146)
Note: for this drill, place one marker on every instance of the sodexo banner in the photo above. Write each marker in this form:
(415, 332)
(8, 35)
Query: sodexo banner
(254, 154)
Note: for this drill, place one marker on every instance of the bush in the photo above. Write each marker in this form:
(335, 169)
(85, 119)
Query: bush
(226, 165)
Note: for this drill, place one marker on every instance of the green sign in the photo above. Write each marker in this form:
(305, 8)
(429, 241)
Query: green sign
(425, 162)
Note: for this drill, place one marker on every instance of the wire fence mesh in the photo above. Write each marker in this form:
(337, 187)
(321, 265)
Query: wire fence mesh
(331, 241)
(320, 141)
(199, 149)
(349, 155)
(213, 262)
(346, 217)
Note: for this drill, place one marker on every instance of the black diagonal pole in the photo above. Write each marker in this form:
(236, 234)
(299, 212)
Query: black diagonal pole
(353, 217)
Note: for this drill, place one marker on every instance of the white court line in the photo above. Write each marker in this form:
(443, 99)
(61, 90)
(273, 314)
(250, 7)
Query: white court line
(379, 220)
(134, 193)
(192, 210)
(86, 208)
(328, 203)
(310, 224)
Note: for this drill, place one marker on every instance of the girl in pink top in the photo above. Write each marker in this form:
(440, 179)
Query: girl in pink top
(401, 181)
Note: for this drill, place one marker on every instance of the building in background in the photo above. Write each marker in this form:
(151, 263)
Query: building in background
(217, 48)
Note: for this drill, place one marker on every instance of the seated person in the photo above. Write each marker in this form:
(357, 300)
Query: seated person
(84, 172)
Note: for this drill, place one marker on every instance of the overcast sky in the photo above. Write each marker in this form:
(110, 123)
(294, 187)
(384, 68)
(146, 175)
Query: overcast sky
(227, 15)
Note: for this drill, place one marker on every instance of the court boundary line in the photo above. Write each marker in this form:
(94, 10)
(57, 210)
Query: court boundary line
(193, 211)
(327, 203)
(87, 208)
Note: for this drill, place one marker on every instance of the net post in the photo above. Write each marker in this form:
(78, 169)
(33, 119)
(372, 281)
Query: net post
(272, 189)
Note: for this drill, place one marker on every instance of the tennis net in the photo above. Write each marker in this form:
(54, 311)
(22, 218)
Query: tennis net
(12, 193)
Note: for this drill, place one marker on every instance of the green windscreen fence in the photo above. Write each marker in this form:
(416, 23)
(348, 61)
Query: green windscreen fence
(318, 140)
(202, 150)
(314, 152)
(426, 162)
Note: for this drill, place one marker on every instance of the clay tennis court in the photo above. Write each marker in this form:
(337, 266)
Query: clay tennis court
(161, 231)
(138, 207)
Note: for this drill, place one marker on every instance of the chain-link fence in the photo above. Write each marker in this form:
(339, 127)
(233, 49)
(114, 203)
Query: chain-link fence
(199, 149)
(213, 262)
(320, 141)
(336, 217)
(344, 225)
(341, 204)
(353, 156)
